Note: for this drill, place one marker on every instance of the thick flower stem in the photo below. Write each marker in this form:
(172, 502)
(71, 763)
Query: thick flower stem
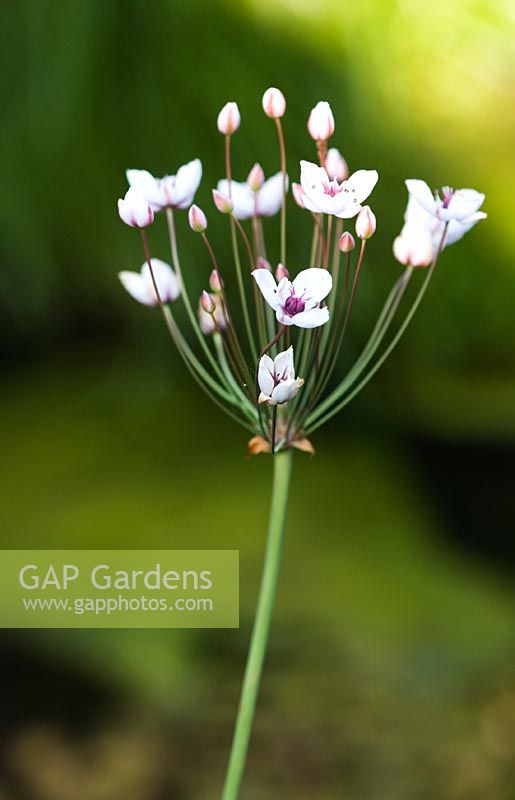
(282, 470)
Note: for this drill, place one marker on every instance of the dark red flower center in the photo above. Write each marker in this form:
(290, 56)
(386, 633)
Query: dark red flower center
(294, 305)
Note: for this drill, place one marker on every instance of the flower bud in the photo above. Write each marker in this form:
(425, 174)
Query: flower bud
(274, 103)
(222, 202)
(336, 166)
(321, 122)
(262, 263)
(197, 219)
(256, 177)
(134, 209)
(346, 242)
(298, 193)
(215, 282)
(207, 303)
(229, 119)
(365, 223)
(281, 272)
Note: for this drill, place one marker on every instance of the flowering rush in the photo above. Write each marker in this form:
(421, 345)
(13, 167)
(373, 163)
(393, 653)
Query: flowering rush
(275, 373)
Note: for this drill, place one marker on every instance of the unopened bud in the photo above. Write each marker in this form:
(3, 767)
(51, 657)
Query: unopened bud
(215, 282)
(321, 122)
(197, 219)
(298, 194)
(229, 119)
(274, 103)
(346, 242)
(336, 166)
(365, 223)
(207, 303)
(262, 263)
(281, 272)
(256, 177)
(222, 202)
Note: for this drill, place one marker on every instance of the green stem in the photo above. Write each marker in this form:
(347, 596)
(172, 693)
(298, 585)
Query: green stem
(259, 640)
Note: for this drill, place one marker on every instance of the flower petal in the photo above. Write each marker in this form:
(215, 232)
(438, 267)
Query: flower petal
(284, 391)
(283, 364)
(312, 318)
(266, 375)
(313, 284)
(361, 183)
(166, 279)
(147, 185)
(267, 286)
(270, 196)
(422, 194)
(137, 287)
(242, 197)
(187, 182)
(464, 203)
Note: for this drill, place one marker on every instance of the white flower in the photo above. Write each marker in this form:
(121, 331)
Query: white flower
(321, 122)
(460, 209)
(211, 321)
(297, 302)
(274, 103)
(322, 195)
(365, 223)
(229, 119)
(141, 287)
(414, 246)
(176, 191)
(246, 201)
(134, 210)
(276, 378)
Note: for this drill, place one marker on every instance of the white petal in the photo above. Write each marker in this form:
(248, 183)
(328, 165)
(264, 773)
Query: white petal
(457, 230)
(265, 375)
(267, 286)
(313, 284)
(284, 290)
(147, 185)
(270, 195)
(167, 283)
(348, 211)
(422, 194)
(361, 183)
(464, 203)
(137, 287)
(312, 176)
(312, 318)
(283, 364)
(187, 182)
(284, 391)
(242, 197)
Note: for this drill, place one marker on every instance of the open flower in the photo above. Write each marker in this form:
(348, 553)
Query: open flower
(247, 201)
(276, 378)
(297, 302)
(215, 318)
(134, 210)
(326, 196)
(176, 191)
(459, 208)
(141, 287)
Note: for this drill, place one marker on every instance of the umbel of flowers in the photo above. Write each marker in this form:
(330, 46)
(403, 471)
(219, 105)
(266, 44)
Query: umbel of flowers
(295, 316)
(274, 373)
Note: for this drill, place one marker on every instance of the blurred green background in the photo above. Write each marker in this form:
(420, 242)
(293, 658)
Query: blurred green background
(391, 670)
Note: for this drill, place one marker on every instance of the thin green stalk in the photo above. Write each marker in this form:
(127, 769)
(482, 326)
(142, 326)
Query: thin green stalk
(282, 148)
(258, 644)
(242, 291)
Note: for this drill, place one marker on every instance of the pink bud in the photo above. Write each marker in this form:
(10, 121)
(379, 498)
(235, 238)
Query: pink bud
(197, 219)
(321, 122)
(207, 303)
(262, 263)
(281, 272)
(134, 209)
(365, 223)
(274, 103)
(229, 119)
(346, 242)
(256, 178)
(298, 194)
(336, 166)
(222, 202)
(215, 282)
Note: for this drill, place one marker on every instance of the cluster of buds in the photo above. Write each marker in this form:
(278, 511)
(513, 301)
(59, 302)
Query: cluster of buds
(247, 372)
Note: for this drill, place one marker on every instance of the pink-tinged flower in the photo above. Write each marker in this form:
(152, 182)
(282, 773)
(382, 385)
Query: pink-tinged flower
(134, 210)
(281, 272)
(274, 103)
(229, 119)
(215, 282)
(346, 242)
(321, 122)
(207, 303)
(336, 166)
(265, 202)
(298, 194)
(256, 177)
(141, 287)
(222, 202)
(262, 263)
(297, 302)
(174, 191)
(210, 321)
(460, 209)
(365, 223)
(414, 246)
(197, 219)
(326, 196)
(276, 378)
